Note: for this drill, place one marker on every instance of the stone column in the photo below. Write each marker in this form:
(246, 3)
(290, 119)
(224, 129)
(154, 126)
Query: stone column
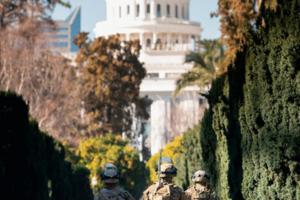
(154, 39)
(152, 9)
(180, 42)
(142, 40)
(163, 10)
(133, 10)
(191, 43)
(127, 36)
(108, 10)
(169, 45)
(168, 117)
(143, 5)
(158, 125)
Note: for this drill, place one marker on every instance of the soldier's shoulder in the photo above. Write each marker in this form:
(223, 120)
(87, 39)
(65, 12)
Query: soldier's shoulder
(176, 188)
(124, 194)
(151, 188)
(147, 193)
(100, 194)
(190, 189)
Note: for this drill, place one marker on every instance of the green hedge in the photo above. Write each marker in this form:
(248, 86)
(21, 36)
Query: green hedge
(32, 164)
(250, 137)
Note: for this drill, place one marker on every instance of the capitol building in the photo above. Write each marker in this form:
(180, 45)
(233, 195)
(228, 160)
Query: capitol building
(166, 35)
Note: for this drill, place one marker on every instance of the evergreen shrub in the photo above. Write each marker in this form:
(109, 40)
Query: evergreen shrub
(32, 164)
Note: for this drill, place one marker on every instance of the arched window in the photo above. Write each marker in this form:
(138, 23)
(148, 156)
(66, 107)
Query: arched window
(148, 8)
(148, 43)
(158, 10)
(176, 11)
(128, 9)
(158, 44)
(183, 13)
(137, 10)
(168, 10)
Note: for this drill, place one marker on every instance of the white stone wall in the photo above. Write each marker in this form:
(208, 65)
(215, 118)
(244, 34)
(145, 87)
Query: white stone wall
(171, 116)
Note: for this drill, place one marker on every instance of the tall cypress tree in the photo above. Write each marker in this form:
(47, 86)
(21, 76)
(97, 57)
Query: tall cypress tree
(254, 114)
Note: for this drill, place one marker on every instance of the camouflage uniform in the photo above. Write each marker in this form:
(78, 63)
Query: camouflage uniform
(200, 192)
(166, 189)
(116, 193)
(112, 190)
(200, 189)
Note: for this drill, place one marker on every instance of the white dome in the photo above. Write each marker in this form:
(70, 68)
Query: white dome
(158, 24)
(147, 9)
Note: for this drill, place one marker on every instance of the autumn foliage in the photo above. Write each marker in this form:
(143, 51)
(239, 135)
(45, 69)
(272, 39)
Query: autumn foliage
(239, 19)
(45, 80)
(110, 75)
(95, 152)
(16, 12)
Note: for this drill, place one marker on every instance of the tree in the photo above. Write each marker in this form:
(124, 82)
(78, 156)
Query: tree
(186, 152)
(250, 137)
(46, 81)
(29, 68)
(173, 150)
(95, 152)
(207, 65)
(13, 12)
(33, 165)
(238, 20)
(111, 76)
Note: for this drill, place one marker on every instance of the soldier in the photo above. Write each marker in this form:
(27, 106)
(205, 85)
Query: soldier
(200, 190)
(112, 190)
(164, 189)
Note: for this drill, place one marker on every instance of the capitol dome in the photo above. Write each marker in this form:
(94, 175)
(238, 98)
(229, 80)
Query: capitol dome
(166, 34)
(158, 24)
(147, 9)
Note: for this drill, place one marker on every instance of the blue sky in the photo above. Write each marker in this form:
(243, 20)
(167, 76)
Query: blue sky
(94, 10)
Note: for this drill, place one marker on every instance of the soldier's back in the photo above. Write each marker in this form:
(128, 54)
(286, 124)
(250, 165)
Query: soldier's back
(167, 191)
(199, 193)
(116, 193)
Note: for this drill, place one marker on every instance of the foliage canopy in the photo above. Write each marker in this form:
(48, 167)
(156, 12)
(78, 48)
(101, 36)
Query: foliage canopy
(208, 62)
(111, 76)
(95, 152)
(32, 164)
(238, 20)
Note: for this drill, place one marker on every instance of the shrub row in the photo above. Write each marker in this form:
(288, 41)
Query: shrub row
(32, 164)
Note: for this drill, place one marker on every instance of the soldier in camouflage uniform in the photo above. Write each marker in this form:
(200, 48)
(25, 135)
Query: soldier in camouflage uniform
(165, 189)
(112, 190)
(200, 189)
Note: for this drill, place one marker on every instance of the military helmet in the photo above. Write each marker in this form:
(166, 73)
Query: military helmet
(167, 167)
(200, 176)
(110, 173)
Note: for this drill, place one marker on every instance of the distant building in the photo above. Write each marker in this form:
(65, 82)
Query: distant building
(166, 34)
(62, 37)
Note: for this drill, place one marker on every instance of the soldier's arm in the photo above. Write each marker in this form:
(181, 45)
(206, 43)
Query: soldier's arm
(126, 195)
(100, 196)
(185, 195)
(145, 195)
(148, 193)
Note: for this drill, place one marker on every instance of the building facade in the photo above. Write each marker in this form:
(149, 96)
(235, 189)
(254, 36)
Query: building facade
(62, 36)
(166, 34)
